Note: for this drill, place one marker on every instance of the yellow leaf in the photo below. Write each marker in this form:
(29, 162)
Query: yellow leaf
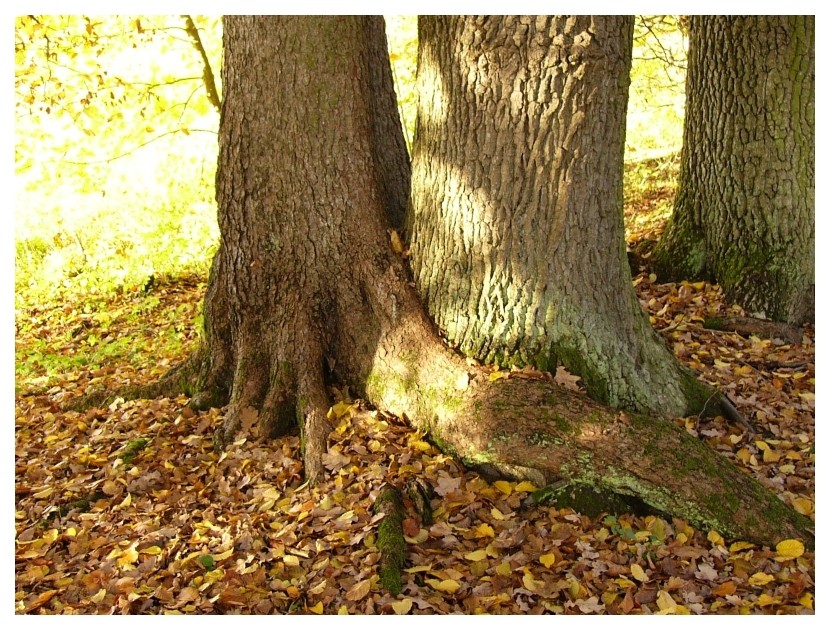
(317, 609)
(421, 445)
(224, 555)
(574, 587)
(50, 535)
(803, 506)
(760, 579)
(484, 530)
(476, 556)
(806, 600)
(397, 244)
(497, 514)
(744, 455)
(43, 493)
(525, 486)
(445, 586)
(715, 538)
(418, 538)
(494, 376)
(99, 596)
(739, 546)
(766, 600)
(402, 607)
(504, 569)
(698, 285)
(503, 486)
(128, 500)
(128, 556)
(152, 551)
(338, 410)
(530, 583)
(761, 445)
(771, 456)
(790, 548)
(359, 591)
(624, 582)
(548, 559)
(638, 573)
(343, 610)
(419, 568)
(291, 561)
(665, 601)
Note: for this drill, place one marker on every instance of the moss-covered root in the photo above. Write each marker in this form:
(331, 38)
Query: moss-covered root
(390, 540)
(180, 379)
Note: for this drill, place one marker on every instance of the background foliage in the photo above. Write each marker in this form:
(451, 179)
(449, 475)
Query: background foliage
(115, 141)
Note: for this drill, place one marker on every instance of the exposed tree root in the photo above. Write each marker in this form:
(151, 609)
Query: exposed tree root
(180, 379)
(390, 538)
(536, 430)
(746, 326)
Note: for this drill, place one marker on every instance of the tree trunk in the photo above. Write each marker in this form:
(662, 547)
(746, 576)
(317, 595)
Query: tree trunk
(516, 224)
(745, 208)
(285, 299)
(306, 287)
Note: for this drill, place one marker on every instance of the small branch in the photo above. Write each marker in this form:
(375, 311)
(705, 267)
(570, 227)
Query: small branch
(134, 149)
(209, 78)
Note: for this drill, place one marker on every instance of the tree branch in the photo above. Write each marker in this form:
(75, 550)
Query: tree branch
(210, 81)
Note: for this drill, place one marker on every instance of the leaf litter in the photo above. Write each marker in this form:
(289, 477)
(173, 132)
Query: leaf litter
(128, 509)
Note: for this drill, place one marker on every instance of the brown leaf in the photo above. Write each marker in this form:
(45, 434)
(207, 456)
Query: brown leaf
(359, 591)
(41, 600)
(410, 527)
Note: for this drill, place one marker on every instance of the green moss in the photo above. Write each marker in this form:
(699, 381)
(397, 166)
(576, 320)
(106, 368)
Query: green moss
(132, 449)
(545, 440)
(390, 541)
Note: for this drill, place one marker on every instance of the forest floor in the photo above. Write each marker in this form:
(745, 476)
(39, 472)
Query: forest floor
(128, 509)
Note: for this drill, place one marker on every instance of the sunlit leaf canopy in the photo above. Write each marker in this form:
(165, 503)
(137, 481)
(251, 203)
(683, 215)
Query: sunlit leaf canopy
(115, 139)
(115, 147)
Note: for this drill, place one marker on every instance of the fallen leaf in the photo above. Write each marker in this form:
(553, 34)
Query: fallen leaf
(476, 556)
(445, 586)
(402, 607)
(727, 588)
(638, 573)
(548, 560)
(760, 579)
(790, 548)
(42, 599)
(359, 590)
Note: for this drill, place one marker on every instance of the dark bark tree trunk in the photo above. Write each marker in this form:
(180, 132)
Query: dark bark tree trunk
(286, 298)
(306, 287)
(744, 215)
(516, 224)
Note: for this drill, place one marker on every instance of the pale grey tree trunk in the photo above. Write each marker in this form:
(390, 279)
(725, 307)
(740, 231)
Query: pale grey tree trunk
(744, 215)
(516, 225)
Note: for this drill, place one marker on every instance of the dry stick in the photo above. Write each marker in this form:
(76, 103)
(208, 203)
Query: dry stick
(729, 410)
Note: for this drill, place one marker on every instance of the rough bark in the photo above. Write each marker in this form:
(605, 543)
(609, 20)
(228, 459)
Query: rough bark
(516, 225)
(744, 214)
(305, 287)
(284, 303)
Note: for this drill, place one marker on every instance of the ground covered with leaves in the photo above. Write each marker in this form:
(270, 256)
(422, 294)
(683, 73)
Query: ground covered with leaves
(128, 508)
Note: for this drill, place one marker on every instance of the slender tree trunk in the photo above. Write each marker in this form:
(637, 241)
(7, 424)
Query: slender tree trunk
(745, 208)
(516, 224)
(306, 287)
